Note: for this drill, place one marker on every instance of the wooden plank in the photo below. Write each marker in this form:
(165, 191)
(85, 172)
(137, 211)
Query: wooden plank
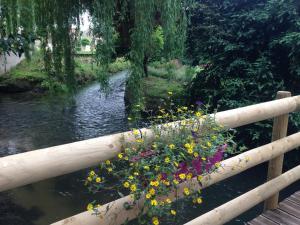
(297, 194)
(290, 207)
(261, 220)
(280, 126)
(294, 199)
(281, 217)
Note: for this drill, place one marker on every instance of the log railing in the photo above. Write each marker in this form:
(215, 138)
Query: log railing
(42, 164)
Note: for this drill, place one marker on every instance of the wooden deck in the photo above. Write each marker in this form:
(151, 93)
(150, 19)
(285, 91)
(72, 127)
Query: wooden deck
(288, 213)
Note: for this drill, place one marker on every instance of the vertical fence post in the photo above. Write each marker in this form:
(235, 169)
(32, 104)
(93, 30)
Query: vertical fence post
(280, 125)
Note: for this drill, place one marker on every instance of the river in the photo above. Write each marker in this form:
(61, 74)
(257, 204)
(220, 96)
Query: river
(29, 122)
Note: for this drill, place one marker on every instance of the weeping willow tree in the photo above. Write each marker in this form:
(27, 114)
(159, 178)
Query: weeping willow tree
(141, 18)
(16, 19)
(56, 24)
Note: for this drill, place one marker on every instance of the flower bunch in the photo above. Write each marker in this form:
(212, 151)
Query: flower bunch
(152, 167)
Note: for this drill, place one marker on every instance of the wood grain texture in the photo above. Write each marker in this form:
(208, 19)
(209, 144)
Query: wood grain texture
(280, 126)
(288, 213)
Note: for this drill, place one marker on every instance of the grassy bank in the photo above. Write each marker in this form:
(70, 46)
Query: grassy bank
(163, 78)
(29, 75)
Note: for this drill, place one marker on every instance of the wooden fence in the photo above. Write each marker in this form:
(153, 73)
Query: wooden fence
(45, 163)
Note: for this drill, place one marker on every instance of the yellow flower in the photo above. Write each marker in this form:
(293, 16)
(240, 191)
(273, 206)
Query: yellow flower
(135, 132)
(152, 191)
(175, 181)
(90, 179)
(187, 146)
(199, 178)
(133, 187)
(92, 173)
(130, 177)
(190, 151)
(168, 201)
(146, 167)
(171, 146)
(148, 196)
(186, 191)
(167, 160)
(198, 114)
(154, 202)
(176, 164)
(107, 162)
(90, 207)
(167, 183)
(126, 184)
(214, 137)
(182, 176)
(120, 155)
(155, 221)
(135, 173)
(109, 169)
(199, 200)
(98, 180)
(217, 165)
(139, 140)
(154, 146)
(170, 92)
(196, 155)
(173, 212)
(208, 144)
(185, 108)
(189, 176)
(203, 158)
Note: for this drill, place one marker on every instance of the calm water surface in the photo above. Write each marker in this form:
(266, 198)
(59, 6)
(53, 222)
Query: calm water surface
(31, 122)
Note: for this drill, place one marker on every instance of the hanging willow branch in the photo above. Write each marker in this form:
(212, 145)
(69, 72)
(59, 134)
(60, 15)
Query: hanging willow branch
(56, 24)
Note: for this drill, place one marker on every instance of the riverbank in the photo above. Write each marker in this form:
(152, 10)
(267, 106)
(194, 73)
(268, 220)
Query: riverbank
(29, 75)
(165, 81)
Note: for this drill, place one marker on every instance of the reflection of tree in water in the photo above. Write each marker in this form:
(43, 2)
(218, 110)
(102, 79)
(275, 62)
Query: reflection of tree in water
(12, 214)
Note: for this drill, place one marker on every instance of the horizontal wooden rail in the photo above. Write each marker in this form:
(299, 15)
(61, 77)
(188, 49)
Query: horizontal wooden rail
(117, 215)
(50, 162)
(241, 204)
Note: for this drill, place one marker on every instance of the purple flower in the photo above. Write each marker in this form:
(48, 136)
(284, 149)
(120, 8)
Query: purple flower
(199, 103)
(197, 165)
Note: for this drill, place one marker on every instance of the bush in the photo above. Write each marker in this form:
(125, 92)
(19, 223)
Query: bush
(118, 65)
(249, 50)
(84, 42)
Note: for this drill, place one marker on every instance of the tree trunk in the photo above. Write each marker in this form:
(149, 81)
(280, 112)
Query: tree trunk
(145, 63)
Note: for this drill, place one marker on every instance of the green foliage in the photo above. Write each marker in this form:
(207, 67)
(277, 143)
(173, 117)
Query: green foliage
(12, 41)
(173, 71)
(84, 42)
(249, 50)
(156, 91)
(150, 168)
(120, 64)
